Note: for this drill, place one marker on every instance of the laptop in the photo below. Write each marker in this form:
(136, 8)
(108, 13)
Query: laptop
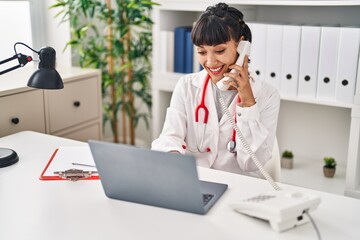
(153, 178)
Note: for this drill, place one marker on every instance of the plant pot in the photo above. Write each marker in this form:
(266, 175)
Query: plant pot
(329, 172)
(287, 163)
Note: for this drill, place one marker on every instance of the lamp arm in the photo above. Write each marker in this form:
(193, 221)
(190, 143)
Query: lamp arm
(22, 59)
(8, 59)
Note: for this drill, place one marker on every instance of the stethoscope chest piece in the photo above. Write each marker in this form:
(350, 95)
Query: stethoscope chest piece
(231, 146)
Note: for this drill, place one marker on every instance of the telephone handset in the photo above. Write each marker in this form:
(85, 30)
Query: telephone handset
(243, 49)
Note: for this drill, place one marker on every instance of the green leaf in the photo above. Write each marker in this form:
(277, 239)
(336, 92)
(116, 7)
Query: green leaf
(89, 40)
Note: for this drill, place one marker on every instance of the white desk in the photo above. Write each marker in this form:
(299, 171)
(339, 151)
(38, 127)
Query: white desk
(43, 210)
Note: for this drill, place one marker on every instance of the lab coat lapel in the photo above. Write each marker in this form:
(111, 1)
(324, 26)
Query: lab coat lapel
(209, 99)
(213, 124)
(199, 80)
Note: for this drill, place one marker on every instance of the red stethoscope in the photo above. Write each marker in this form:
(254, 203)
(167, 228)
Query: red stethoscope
(199, 148)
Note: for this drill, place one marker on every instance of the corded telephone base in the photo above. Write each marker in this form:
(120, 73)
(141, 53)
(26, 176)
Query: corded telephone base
(284, 209)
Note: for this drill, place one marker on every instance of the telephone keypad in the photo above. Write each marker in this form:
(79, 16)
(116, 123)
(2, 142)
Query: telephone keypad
(260, 198)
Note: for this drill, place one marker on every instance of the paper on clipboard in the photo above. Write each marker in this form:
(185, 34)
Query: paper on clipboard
(63, 158)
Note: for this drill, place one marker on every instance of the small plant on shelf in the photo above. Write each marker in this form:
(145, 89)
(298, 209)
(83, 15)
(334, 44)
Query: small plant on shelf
(287, 159)
(329, 167)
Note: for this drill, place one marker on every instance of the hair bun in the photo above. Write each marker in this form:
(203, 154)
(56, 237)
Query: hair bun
(222, 6)
(219, 10)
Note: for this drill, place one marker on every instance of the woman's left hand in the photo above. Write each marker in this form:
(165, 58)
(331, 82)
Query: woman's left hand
(241, 82)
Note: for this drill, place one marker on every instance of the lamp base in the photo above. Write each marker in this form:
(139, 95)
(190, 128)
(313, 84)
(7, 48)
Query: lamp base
(8, 157)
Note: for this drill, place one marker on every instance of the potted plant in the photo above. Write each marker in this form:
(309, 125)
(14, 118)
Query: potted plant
(329, 167)
(287, 159)
(118, 40)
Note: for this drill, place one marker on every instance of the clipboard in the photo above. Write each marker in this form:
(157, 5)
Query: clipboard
(61, 164)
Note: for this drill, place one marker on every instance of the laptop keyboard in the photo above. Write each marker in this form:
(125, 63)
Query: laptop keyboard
(207, 197)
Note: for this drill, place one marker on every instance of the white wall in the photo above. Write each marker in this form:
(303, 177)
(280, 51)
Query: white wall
(37, 28)
(57, 35)
(15, 27)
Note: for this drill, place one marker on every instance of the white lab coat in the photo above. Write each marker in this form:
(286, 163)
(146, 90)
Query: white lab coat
(257, 123)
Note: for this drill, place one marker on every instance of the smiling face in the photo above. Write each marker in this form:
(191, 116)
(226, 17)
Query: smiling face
(217, 59)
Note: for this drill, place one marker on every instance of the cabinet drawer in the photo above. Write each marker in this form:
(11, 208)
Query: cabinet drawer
(84, 133)
(76, 103)
(22, 111)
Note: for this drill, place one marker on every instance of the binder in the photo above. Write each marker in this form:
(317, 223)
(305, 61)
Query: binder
(258, 48)
(62, 160)
(309, 59)
(328, 60)
(189, 53)
(179, 48)
(348, 58)
(167, 51)
(290, 60)
(197, 67)
(273, 54)
(163, 51)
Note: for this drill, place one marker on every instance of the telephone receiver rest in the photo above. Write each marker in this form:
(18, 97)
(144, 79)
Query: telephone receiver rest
(243, 49)
(284, 209)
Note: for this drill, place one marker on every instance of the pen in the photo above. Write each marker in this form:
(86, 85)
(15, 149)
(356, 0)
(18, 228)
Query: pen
(81, 164)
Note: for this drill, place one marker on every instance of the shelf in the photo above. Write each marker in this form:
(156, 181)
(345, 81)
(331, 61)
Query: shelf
(315, 178)
(169, 84)
(316, 101)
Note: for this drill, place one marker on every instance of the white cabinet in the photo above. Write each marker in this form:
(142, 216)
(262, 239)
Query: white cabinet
(22, 111)
(311, 128)
(73, 112)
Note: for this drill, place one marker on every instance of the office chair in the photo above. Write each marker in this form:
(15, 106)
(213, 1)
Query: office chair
(273, 166)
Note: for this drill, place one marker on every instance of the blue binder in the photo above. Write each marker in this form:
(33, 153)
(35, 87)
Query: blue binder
(189, 53)
(180, 48)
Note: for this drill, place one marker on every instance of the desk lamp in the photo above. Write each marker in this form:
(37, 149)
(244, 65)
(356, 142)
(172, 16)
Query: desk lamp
(46, 77)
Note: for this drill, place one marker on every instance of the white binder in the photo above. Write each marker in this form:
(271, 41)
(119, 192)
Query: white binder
(328, 58)
(290, 60)
(167, 51)
(309, 58)
(163, 50)
(274, 39)
(258, 49)
(347, 64)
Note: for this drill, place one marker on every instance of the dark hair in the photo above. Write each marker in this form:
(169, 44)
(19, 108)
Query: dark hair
(219, 24)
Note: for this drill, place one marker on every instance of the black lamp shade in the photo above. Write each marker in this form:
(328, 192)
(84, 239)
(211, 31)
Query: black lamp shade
(46, 77)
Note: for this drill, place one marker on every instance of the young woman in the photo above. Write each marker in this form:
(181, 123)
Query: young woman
(253, 104)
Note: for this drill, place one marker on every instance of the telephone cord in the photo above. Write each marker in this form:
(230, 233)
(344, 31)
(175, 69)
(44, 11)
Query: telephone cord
(314, 224)
(256, 161)
(247, 146)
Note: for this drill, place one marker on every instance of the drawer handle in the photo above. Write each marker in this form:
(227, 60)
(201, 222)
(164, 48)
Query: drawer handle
(77, 103)
(15, 120)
